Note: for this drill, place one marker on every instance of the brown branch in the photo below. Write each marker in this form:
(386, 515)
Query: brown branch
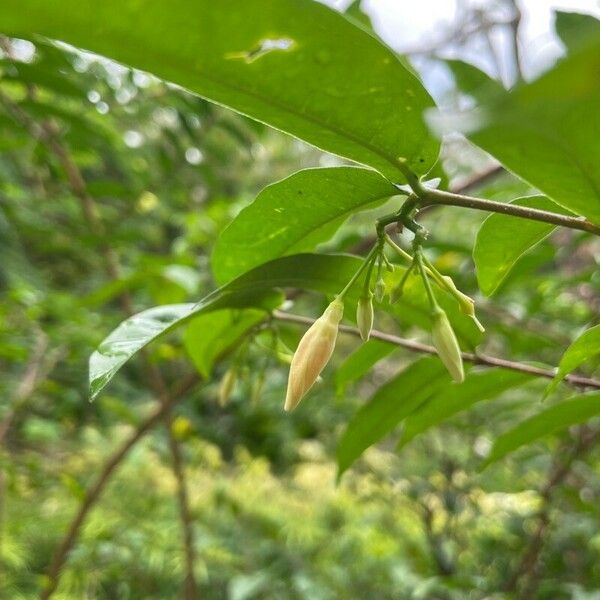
(49, 134)
(527, 567)
(478, 359)
(93, 493)
(452, 199)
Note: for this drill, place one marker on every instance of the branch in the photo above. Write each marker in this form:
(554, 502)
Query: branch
(478, 359)
(451, 199)
(527, 566)
(93, 493)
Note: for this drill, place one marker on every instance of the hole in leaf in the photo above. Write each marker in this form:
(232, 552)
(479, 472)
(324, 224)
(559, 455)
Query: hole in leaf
(262, 48)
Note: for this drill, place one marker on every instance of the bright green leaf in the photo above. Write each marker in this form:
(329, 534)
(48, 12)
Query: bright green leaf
(391, 403)
(546, 132)
(477, 387)
(294, 215)
(294, 64)
(502, 240)
(551, 420)
(576, 30)
(584, 348)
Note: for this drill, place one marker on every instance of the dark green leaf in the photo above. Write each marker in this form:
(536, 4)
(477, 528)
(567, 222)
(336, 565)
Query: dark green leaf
(391, 403)
(584, 348)
(477, 387)
(502, 240)
(470, 80)
(557, 418)
(294, 215)
(294, 64)
(322, 273)
(577, 30)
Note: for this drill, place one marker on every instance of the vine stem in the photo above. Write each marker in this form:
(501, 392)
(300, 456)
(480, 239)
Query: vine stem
(477, 359)
(433, 197)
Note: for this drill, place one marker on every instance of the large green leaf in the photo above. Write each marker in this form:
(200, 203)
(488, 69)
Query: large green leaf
(294, 215)
(547, 132)
(294, 64)
(584, 348)
(477, 387)
(557, 418)
(502, 240)
(322, 273)
(391, 403)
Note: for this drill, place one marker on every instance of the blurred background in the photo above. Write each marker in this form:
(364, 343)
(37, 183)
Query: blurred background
(113, 189)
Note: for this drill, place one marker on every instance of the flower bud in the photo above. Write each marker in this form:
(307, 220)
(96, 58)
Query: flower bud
(466, 304)
(313, 353)
(445, 342)
(364, 316)
(380, 290)
(227, 384)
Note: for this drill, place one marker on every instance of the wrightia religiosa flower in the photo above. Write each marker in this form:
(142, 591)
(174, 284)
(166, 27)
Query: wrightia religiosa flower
(364, 315)
(313, 353)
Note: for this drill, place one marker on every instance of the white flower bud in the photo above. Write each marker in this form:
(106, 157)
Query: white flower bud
(227, 385)
(313, 353)
(445, 342)
(364, 316)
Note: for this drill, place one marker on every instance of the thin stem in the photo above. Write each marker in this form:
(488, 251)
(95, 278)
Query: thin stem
(376, 248)
(477, 359)
(514, 210)
(430, 295)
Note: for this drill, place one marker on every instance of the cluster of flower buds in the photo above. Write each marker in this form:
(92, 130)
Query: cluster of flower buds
(313, 353)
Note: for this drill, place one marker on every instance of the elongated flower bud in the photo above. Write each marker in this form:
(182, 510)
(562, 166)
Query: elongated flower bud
(380, 290)
(227, 384)
(313, 353)
(364, 316)
(444, 339)
(466, 303)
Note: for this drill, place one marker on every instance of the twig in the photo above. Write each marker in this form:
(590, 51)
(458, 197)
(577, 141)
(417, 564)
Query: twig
(527, 567)
(49, 134)
(478, 359)
(93, 493)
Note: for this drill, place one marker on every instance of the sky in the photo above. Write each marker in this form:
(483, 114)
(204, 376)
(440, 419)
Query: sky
(408, 25)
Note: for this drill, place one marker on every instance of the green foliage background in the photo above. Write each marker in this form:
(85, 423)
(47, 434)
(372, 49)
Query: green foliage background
(414, 517)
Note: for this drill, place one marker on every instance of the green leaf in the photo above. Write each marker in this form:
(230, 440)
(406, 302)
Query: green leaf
(577, 30)
(551, 420)
(584, 348)
(546, 132)
(294, 215)
(477, 387)
(472, 81)
(294, 64)
(391, 403)
(503, 239)
(322, 273)
(360, 362)
(208, 336)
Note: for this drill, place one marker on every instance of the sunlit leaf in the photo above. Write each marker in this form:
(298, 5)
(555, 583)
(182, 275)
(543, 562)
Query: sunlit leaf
(294, 215)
